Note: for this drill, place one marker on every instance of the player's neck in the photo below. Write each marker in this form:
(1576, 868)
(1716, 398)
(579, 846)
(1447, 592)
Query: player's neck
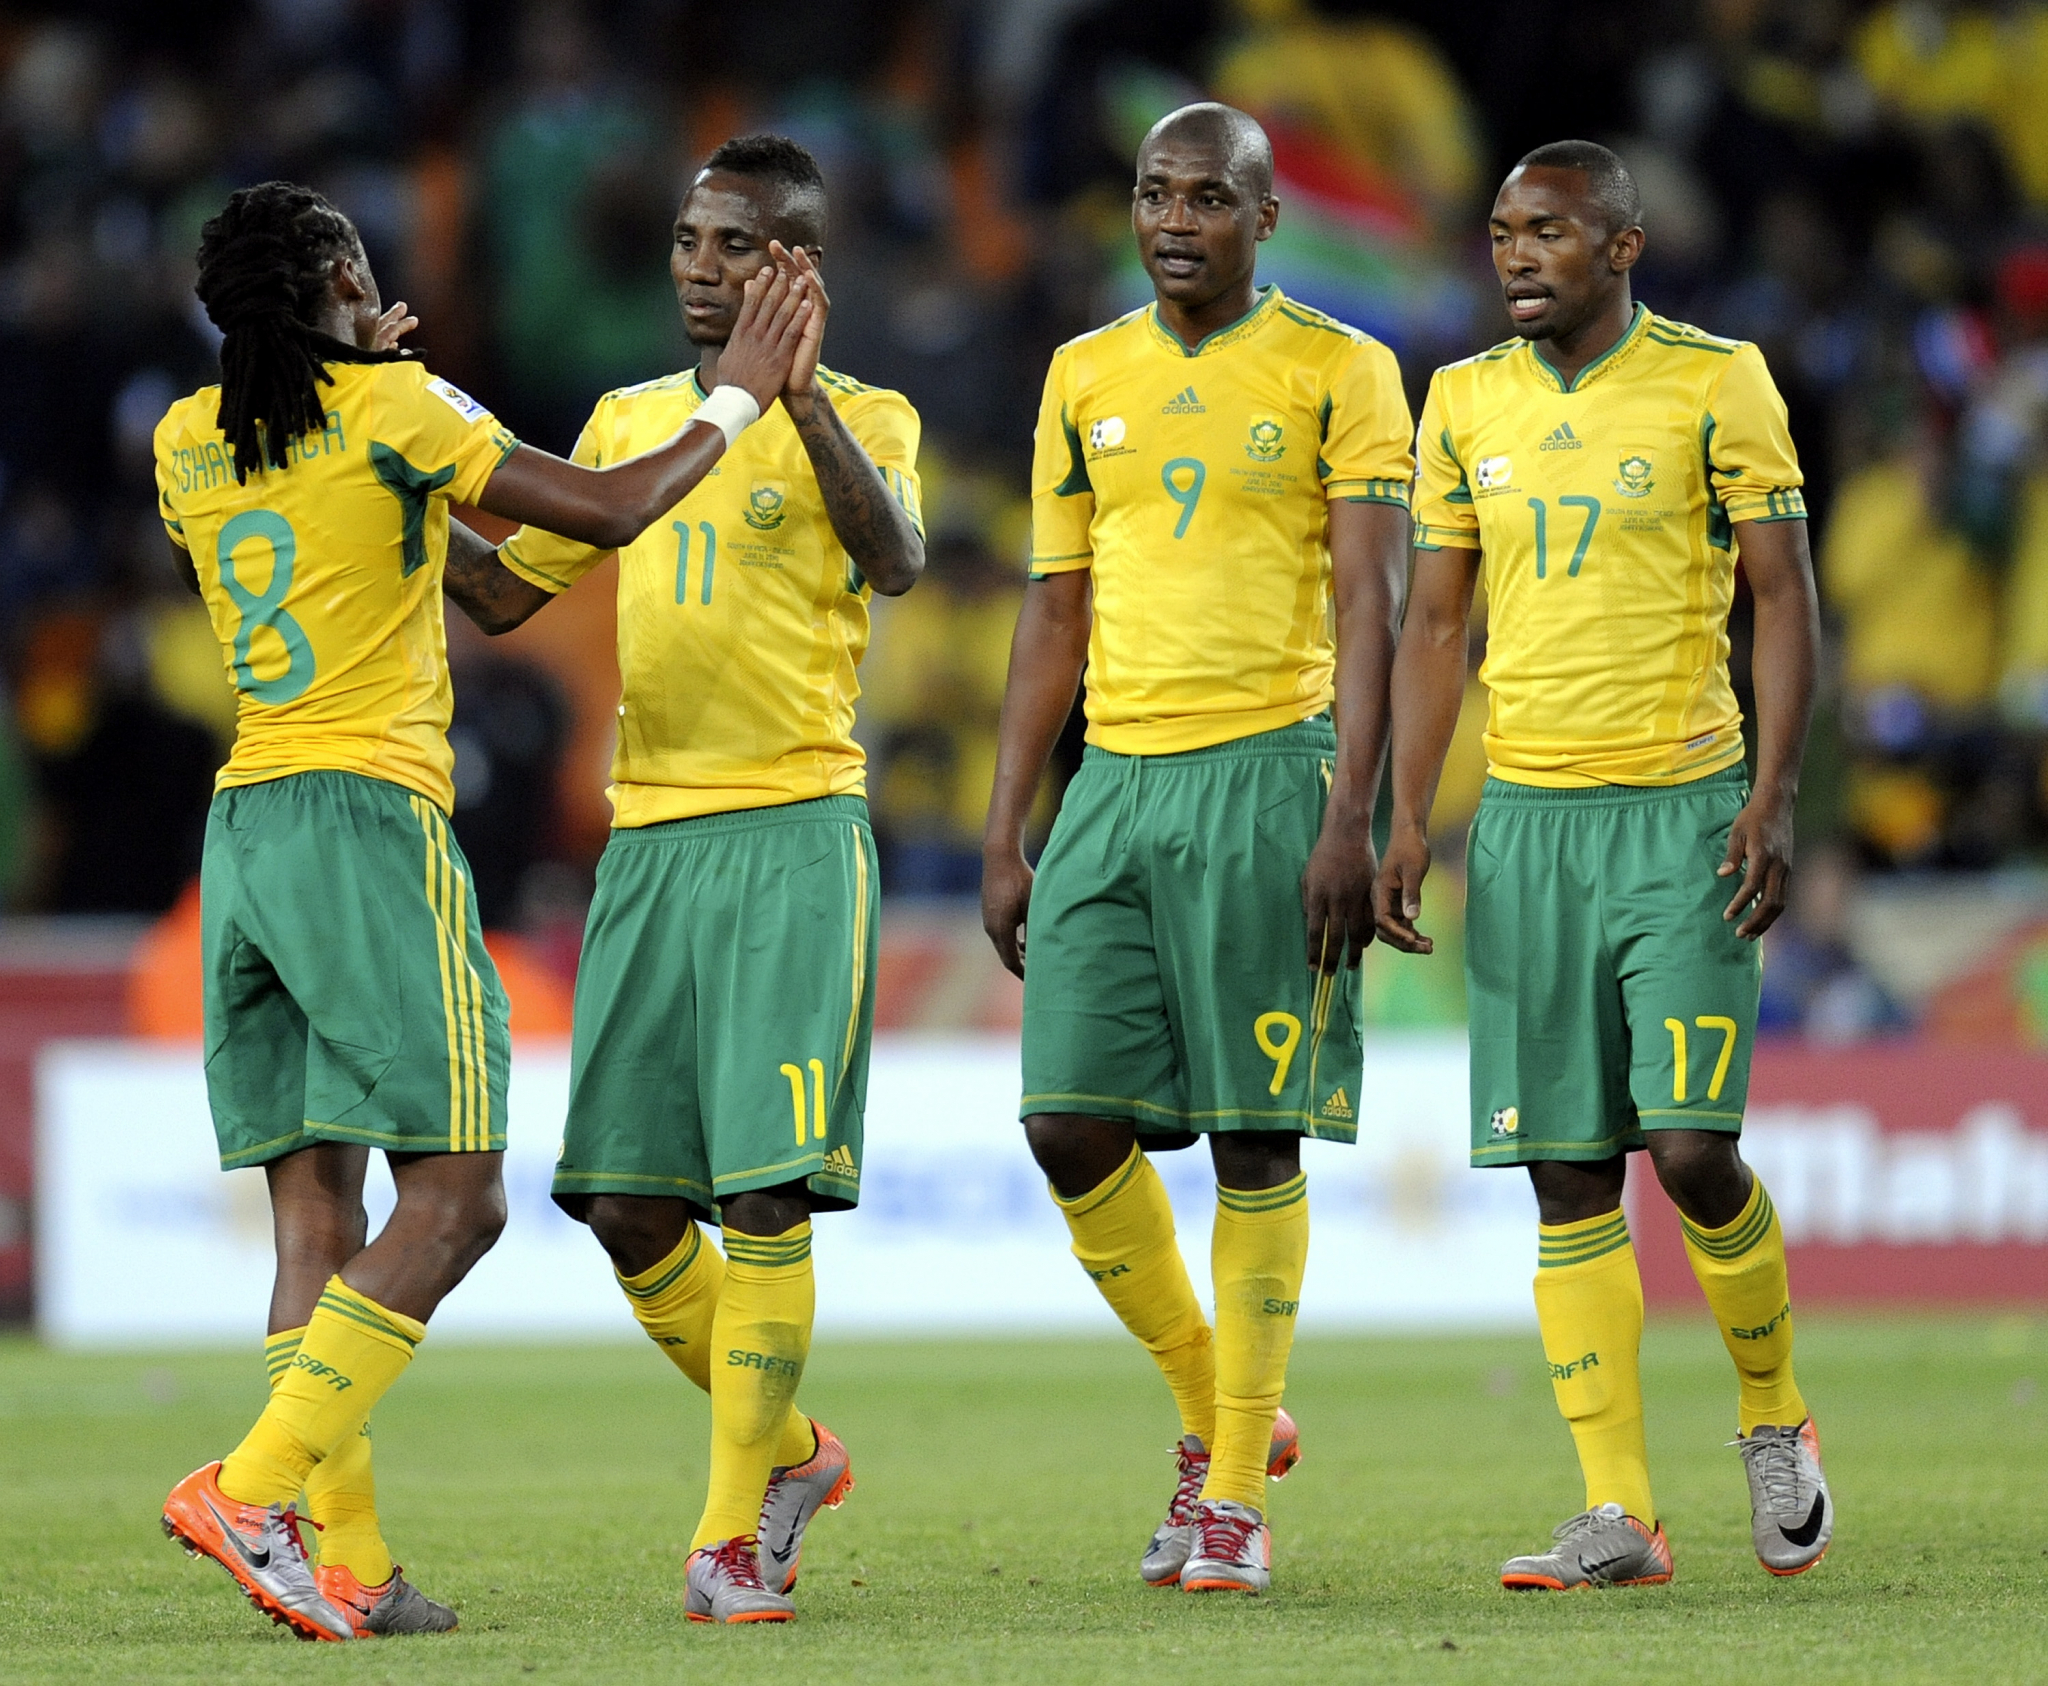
(1192, 326)
(707, 365)
(1570, 354)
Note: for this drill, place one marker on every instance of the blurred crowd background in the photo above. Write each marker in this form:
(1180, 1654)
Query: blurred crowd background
(1862, 189)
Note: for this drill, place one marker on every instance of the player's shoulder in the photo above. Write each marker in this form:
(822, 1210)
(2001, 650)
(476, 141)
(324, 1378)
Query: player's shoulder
(1674, 335)
(682, 384)
(1313, 322)
(196, 412)
(844, 388)
(1124, 332)
(1468, 380)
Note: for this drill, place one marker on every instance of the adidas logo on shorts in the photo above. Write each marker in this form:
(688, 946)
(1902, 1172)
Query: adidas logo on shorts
(1338, 1106)
(840, 1163)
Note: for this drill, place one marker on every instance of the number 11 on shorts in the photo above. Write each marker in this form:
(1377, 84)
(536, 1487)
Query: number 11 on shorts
(796, 1099)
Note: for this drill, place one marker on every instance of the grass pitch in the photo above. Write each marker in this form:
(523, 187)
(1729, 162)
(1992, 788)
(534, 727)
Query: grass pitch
(1005, 1491)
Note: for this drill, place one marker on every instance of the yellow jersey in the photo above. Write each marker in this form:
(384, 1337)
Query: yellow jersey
(323, 578)
(1194, 483)
(742, 620)
(1604, 509)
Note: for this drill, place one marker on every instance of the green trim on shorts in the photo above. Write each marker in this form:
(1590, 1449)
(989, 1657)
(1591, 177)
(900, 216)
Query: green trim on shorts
(1169, 982)
(348, 993)
(724, 1009)
(1608, 997)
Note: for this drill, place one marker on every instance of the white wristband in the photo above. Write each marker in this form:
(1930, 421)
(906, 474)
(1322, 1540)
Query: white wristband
(730, 409)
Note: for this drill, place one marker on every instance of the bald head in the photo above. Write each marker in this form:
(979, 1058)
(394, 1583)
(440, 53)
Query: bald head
(1233, 137)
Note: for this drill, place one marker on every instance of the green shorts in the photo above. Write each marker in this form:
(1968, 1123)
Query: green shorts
(724, 1007)
(348, 994)
(1167, 977)
(1608, 996)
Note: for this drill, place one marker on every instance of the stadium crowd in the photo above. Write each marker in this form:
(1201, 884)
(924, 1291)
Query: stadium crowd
(1862, 189)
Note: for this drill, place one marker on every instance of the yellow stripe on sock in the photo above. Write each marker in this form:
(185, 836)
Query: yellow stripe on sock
(1738, 1236)
(1560, 1245)
(421, 808)
(343, 1301)
(1108, 1189)
(1255, 1200)
(860, 951)
(651, 1290)
(767, 1251)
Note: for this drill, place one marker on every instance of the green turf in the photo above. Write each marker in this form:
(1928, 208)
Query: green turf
(1005, 1490)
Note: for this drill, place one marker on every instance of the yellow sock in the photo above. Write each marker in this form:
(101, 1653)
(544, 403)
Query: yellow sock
(1123, 1236)
(1589, 1303)
(341, 1492)
(1257, 1257)
(1741, 1268)
(353, 1349)
(675, 1301)
(760, 1337)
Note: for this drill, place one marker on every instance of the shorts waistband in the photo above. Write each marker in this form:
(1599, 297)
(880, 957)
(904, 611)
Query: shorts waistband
(811, 812)
(1314, 736)
(1611, 795)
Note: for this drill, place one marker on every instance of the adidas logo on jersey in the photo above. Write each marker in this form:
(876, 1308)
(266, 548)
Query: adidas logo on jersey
(1338, 1106)
(1184, 404)
(1563, 439)
(840, 1163)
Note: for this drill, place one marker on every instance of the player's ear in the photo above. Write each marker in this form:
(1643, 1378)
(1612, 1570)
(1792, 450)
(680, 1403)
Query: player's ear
(349, 280)
(1269, 217)
(1624, 250)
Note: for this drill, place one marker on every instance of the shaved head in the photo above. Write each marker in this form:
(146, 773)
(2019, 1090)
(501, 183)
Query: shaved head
(1233, 135)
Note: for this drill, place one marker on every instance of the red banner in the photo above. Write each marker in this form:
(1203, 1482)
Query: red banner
(1901, 1172)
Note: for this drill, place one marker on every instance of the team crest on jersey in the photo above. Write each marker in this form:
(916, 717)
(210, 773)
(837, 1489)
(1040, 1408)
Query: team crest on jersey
(764, 508)
(1632, 478)
(1494, 472)
(1265, 443)
(1106, 434)
(1506, 1121)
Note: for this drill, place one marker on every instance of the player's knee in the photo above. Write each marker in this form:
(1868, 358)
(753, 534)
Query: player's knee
(1075, 1153)
(1702, 1172)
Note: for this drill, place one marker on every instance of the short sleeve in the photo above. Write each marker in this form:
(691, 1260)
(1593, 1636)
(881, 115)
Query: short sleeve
(547, 559)
(1367, 430)
(1444, 516)
(1062, 499)
(173, 526)
(1750, 458)
(887, 428)
(433, 437)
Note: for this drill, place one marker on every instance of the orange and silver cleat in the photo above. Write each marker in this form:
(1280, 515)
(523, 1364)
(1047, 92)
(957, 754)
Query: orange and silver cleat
(724, 1585)
(1604, 1546)
(375, 1612)
(1174, 1538)
(260, 1546)
(796, 1493)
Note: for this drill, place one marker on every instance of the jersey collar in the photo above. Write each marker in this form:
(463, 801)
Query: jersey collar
(1600, 364)
(1234, 334)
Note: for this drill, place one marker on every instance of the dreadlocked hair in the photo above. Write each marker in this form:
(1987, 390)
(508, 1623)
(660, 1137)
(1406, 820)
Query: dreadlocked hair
(264, 265)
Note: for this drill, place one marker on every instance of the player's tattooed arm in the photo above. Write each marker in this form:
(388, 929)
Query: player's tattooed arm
(1428, 686)
(876, 530)
(483, 588)
(1369, 565)
(1783, 659)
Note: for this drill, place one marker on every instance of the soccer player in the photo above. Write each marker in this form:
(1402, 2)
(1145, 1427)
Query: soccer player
(349, 1001)
(726, 994)
(1211, 472)
(1606, 469)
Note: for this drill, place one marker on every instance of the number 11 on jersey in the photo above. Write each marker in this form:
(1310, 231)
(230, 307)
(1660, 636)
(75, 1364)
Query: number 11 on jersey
(683, 559)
